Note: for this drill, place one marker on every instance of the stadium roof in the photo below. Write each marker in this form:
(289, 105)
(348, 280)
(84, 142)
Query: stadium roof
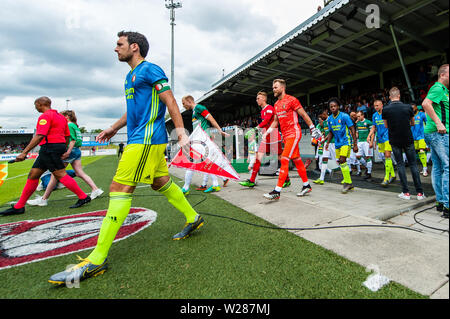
(335, 47)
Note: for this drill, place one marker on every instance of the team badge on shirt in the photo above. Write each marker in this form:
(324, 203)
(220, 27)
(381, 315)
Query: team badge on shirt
(161, 87)
(133, 79)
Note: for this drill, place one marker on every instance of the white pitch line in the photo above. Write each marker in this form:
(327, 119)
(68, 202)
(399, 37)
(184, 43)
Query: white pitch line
(8, 179)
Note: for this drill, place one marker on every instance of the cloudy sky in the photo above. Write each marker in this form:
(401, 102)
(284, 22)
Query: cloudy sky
(65, 49)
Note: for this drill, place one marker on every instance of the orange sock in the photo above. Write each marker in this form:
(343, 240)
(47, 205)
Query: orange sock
(301, 169)
(284, 171)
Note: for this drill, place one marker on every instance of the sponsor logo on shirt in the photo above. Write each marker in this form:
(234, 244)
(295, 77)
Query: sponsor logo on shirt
(42, 122)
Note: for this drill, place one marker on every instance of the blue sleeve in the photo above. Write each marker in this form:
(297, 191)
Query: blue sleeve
(348, 121)
(154, 73)
(330, 127)
(424, 117)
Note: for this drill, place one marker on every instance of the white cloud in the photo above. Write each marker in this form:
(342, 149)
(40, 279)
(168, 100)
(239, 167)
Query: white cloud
(67, 51)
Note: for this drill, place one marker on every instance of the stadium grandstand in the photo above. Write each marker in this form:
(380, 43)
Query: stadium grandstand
(14, 140)
(347, 49)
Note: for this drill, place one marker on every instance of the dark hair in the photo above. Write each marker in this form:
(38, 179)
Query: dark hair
(139, 39)
(43, 100)
(335, 100)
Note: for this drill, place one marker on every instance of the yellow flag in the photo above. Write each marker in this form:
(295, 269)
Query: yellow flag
(3, 172)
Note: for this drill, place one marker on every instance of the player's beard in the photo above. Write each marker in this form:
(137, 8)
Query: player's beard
(125, 58)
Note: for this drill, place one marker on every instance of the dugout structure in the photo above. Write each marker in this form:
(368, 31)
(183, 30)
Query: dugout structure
(338, 49)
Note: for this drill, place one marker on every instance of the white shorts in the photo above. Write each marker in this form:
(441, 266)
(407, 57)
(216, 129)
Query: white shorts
(353, 159)
(331, 153)
(364, 150)
(252, 160)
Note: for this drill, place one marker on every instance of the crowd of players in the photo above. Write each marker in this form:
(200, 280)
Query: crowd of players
(342, 139)
(143, 161)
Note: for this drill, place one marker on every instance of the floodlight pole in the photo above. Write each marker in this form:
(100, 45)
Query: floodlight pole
(172, 6)
(400, 56)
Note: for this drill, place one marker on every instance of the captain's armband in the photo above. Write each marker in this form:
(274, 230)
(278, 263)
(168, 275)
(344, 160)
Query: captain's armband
(161, 86)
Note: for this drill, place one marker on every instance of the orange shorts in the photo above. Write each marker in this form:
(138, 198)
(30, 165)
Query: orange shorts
(291, 149)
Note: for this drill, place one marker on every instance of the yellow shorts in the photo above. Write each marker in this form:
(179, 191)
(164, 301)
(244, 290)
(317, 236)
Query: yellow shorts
(384, 147)
(141, 164)
(343, 151)
(420, 145)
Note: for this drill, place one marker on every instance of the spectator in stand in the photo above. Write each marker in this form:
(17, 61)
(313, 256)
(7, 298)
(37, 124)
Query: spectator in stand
(361, 108)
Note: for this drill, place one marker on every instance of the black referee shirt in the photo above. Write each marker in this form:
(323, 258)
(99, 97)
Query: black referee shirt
(398, 116)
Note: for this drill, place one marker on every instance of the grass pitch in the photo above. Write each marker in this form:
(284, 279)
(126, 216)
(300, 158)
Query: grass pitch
(224, 259)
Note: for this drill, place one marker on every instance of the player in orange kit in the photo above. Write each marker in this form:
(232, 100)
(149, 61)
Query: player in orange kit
(287, 110)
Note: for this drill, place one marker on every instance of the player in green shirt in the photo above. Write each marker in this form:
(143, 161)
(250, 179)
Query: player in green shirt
(326, 154)
(436, 136)
(252, 147)
(202, 117)
(365, 153)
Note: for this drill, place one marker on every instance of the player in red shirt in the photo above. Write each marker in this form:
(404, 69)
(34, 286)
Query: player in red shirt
(271, 144)
(287, 109)
(52, 134)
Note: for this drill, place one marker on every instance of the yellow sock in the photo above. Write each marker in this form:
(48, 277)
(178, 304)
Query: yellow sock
(389, 168)
(119, 207)
(346, 173)
(423, 159)
(178, 200)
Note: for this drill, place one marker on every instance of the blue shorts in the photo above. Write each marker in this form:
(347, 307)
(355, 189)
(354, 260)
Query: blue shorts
(45, 179)
(74, 155)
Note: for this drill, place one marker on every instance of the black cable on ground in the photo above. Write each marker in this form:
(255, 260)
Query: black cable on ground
(421, 212)
(205, 197)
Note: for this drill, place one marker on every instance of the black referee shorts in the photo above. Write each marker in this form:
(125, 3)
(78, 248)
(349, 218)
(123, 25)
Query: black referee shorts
(50, 157)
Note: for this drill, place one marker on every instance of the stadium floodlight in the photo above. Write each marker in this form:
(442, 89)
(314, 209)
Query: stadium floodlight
(172, 5)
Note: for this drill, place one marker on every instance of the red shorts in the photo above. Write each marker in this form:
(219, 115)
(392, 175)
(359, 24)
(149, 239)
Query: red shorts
(266, 147)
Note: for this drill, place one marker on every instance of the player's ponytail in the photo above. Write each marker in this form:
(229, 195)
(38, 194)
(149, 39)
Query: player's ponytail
(71, 115)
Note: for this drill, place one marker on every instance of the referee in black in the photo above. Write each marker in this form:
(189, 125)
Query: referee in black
(398, 118)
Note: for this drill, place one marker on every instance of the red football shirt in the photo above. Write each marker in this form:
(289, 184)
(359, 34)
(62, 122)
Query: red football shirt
(286, 110)
(53, 126)
(267, 116)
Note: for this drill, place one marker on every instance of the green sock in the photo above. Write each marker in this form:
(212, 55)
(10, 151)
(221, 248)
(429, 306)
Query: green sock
(389, 168)
(423, 159)
(178, 200)
(119, 207)
(346, 173)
